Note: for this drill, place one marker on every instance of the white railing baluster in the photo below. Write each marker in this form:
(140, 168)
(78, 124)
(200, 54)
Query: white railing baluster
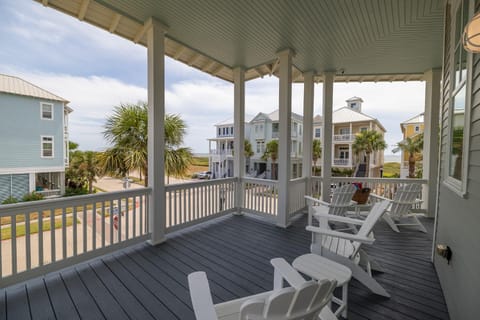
(64, 233)
(40, 237)
(28, 247)
(84, 228)
(74, 224)
(52, 236)
(94, 225)
(13, 224)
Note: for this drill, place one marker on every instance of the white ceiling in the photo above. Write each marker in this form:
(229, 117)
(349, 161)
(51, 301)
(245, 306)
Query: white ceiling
(369, 40)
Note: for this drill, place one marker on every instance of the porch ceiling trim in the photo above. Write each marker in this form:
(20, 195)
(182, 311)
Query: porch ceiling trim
(382, 32)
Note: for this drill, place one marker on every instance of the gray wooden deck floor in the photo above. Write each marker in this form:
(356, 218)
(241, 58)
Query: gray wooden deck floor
(145, 282)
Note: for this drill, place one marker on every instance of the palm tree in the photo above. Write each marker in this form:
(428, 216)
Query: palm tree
(368, 142)
(413, 146)
(316, 153)
(127, 131)
(271, 151)
(83, 169)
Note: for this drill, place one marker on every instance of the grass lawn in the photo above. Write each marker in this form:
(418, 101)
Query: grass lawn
(391, 170)
(21, 229)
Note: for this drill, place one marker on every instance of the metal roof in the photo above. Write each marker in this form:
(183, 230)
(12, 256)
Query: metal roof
(15, 85)
(362, 40)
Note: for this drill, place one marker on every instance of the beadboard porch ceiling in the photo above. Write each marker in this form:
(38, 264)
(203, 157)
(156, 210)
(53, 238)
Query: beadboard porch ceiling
(362, 40)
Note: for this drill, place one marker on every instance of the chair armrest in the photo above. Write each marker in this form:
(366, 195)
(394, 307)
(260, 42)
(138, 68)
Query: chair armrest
(342, 235)
(201, 296)
(283, 270)
(376, 196)
(321, 202)
(332, 217)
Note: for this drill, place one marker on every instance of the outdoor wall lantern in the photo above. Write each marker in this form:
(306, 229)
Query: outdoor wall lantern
(471, 35)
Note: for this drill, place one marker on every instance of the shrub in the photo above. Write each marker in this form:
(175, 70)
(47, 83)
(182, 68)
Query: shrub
(75, 191)
(10, 200)
(33, 196)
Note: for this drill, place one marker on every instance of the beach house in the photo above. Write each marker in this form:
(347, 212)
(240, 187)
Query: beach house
(33, 139)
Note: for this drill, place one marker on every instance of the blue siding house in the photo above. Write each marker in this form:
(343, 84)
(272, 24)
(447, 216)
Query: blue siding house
(33, 139)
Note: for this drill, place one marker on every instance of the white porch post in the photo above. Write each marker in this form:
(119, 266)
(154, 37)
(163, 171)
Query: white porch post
(156, 118)
(308, 98)
(285, 115)
(430, 145)
(239, 134)
(328, 79)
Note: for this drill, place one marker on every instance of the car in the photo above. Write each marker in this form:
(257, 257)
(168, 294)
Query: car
(204, 175)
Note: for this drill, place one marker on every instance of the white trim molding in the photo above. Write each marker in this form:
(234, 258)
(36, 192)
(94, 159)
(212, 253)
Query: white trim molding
(42, 141)
(31, 170)
(42, 104)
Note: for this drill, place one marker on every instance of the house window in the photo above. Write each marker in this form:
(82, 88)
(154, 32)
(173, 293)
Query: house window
(47, 147)
(459, 104)
(46, 111)
(317, 132)
(363, 129)
(260, 146)
(219, 131)
(417, 129)
(345, 131)
(231, 131)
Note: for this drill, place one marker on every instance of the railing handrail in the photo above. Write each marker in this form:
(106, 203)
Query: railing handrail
(298, 180)
(178, 186)
(266, 182)
(9, 209)
(385, 180)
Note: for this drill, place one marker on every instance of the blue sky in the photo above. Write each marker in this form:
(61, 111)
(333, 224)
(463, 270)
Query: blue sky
(96, 70)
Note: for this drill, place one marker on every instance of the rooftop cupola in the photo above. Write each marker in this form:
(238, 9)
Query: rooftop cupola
(355, 103)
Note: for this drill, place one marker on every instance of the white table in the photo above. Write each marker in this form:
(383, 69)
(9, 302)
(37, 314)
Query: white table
(319, 268)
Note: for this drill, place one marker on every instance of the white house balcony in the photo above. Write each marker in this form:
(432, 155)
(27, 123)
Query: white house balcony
(343, 137)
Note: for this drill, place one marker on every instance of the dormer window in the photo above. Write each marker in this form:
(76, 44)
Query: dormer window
(353, 105)
(46, 111)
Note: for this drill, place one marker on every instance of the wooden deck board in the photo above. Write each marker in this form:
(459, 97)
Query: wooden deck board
(151, 282)
(40, 305)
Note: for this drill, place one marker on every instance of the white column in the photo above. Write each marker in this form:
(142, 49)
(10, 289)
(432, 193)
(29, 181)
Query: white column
(350, 156)
(328, 79)
(239, 134)
(430, 144)
(308, 98)
(156, 118)
(285, 112)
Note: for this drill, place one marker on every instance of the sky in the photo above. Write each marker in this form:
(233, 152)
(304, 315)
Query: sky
(96, 70)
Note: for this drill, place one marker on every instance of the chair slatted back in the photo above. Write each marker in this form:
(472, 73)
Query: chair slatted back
(404, 198)
(341, 199)
(304, 302)
(375, 214)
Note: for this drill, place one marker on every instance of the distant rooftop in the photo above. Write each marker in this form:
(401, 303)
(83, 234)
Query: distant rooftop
(417, 119)
(15, 85)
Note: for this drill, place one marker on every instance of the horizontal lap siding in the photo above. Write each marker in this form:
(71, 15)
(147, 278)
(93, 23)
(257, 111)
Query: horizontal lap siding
(458, 218)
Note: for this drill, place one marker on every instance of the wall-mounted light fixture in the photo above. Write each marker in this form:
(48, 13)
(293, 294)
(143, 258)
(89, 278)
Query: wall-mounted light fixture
(444, 251)
(471, 35)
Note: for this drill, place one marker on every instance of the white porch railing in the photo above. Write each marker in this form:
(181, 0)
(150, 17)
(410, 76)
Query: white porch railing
(50, 193)
(385, 187)
(341, 162)
(343, 137)
(260, 196)
(43, 236)
(296, 193)
(188, 204)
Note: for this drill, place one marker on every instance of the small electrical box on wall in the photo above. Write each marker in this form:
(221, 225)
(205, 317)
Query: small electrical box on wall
(444, 251)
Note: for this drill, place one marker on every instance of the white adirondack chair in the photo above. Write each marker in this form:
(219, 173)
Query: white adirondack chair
(341, 201)
(303, 300)
(400, 212)
(345, 248)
